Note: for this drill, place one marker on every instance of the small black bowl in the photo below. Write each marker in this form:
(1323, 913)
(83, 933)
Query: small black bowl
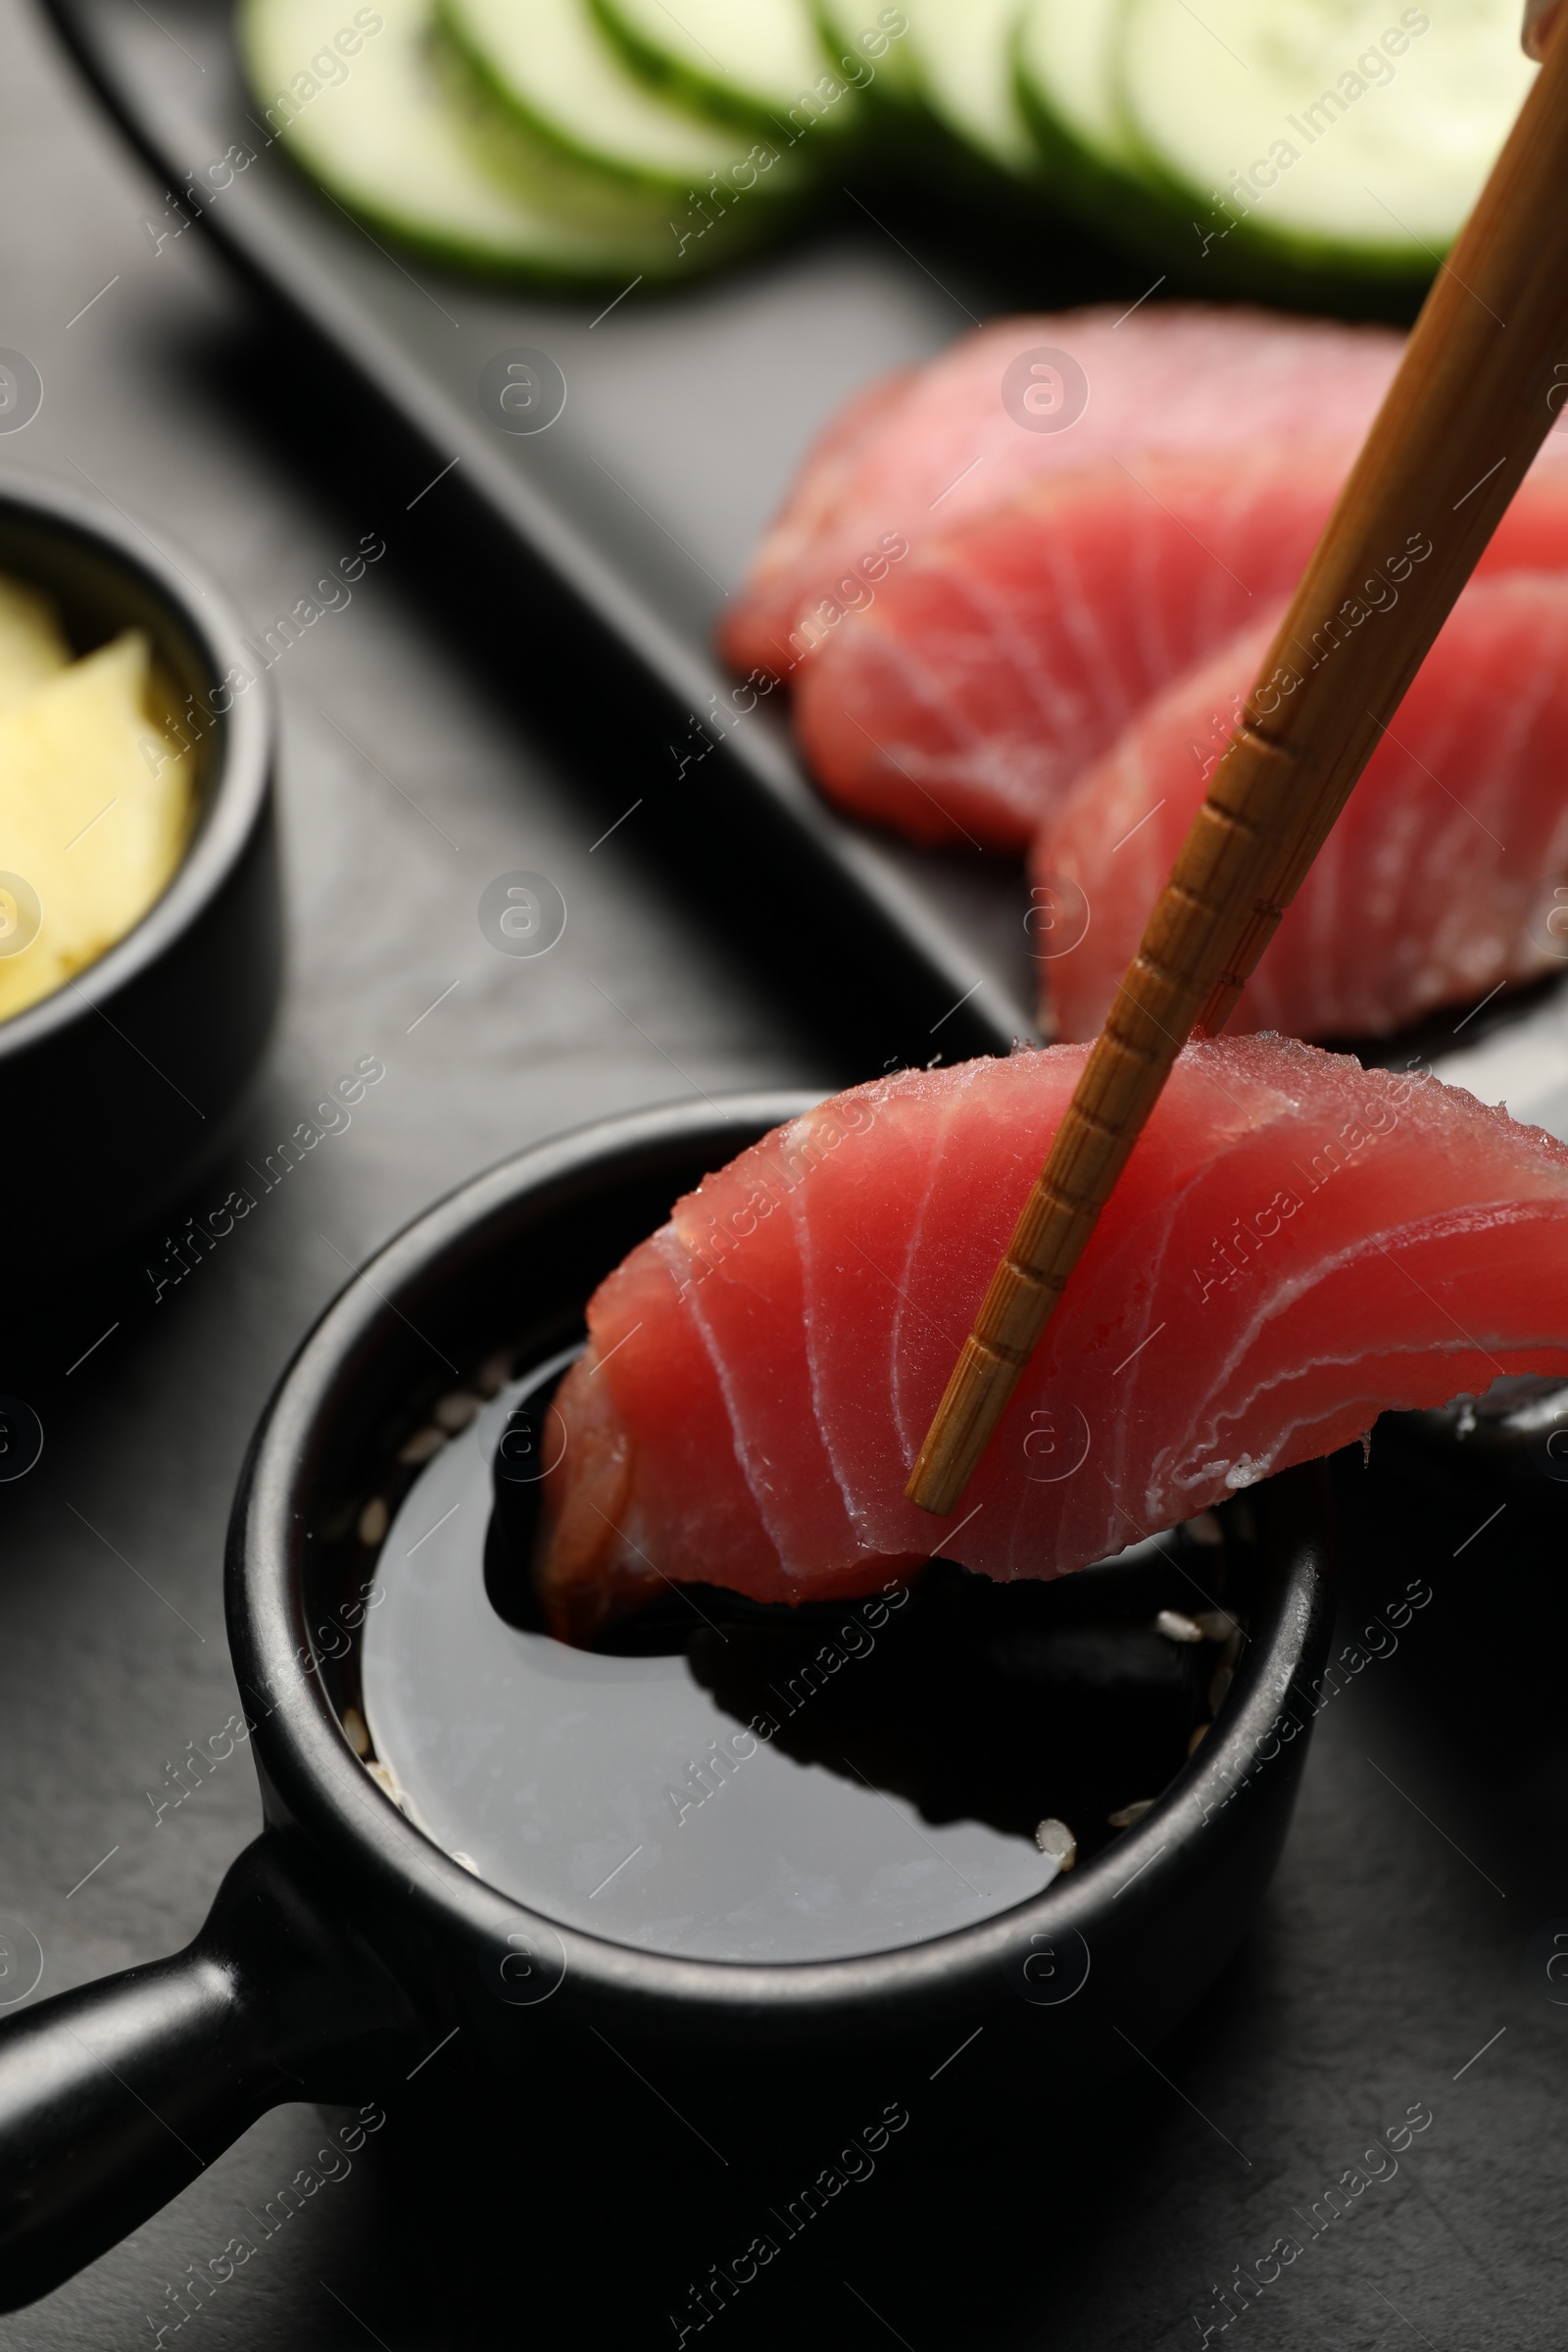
(124, 1082)
(345, 1946)
(1510, 1445)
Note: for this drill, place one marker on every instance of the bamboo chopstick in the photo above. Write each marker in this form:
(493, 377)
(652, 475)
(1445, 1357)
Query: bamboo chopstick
(1483, 376)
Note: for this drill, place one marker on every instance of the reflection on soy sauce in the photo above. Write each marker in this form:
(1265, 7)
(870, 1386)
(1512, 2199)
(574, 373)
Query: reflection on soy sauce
(972, 1699)
(532, 1441)
(999, 1703)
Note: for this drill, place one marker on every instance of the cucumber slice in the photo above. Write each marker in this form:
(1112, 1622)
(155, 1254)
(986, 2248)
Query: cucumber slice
(1336, 135)
(403, 141)
(1068, 69)
(551, 62)
(1067, 59)
(385, 133)
(869, 37)
(963, 57)
(744, 61)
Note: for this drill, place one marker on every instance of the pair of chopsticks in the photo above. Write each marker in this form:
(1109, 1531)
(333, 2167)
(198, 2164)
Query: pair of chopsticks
(1482, 378)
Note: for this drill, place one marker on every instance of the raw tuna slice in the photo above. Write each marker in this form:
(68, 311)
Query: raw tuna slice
(969, 609)
(1431, 888)
(1003, 657)
(1297, 1244)
(931, 447)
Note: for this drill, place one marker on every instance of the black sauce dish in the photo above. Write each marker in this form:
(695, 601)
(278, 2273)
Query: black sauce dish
(124, 1082)
(347, 1946)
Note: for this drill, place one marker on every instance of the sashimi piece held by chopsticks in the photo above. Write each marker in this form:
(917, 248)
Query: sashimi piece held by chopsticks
(1299, 1245)
(1434, 887)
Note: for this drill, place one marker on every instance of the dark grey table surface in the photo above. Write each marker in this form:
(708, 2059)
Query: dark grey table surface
(1405, 1932)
